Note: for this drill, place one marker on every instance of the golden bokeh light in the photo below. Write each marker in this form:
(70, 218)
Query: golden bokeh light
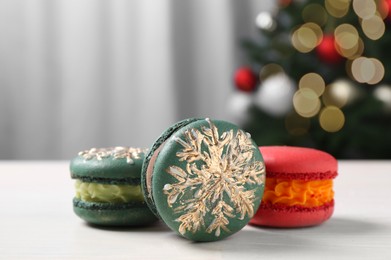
(364, 8)
(348, 42)
(346, 36)
(296, 124)
(313, 81)
(355, 52)
(331, 119)
(373, 27)
(363, 69)
(307, 37)
(306, 102)
(297, 43)
(337, 8)
(269, 70)
(339, 93)
(379, 72)
(352, 52)
(367, 70)
(316, 29)
(315, 13)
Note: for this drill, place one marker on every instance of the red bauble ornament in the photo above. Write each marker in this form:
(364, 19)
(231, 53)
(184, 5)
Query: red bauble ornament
(327, 50)
(284, 3)
(385, 9)
(245, 80)
(389, 7)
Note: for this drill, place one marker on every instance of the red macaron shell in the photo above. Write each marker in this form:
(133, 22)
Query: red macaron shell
(298, 163)
(295, 163)
(281, 216)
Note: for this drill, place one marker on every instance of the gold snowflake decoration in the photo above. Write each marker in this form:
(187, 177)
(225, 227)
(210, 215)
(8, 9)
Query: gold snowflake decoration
(119, 152)
(214, 179)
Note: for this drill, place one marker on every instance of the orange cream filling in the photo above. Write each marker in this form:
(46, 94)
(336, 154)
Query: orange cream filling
(296, 192)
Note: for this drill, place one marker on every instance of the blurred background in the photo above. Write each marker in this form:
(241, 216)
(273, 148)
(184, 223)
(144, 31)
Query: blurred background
(81, 74)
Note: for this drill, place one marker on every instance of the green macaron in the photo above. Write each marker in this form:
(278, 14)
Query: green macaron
(108, 190)
(204, 178)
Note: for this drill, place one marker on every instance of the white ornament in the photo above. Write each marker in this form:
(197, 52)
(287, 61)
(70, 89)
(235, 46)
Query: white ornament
(340, 93)
(274, 95)
(265, 21)
(238, 107)
(383, 93)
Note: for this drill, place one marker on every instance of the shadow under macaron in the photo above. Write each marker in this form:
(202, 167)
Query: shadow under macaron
(158, 226)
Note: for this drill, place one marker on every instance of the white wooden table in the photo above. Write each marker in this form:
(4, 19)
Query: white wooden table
(37, 221)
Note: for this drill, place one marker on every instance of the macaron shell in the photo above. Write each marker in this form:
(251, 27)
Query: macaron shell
(292, 217)
(103, 214)
(162, 138)
(119, 164)
(180, 211)
(298, 163)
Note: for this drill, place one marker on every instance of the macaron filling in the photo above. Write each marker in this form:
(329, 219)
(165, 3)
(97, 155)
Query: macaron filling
(107, 193)
(298, 192)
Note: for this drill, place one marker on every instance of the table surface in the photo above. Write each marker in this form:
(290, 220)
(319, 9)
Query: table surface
(37, 221)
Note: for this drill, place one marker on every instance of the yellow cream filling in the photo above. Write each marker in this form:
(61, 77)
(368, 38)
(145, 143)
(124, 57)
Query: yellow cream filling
(108, 193)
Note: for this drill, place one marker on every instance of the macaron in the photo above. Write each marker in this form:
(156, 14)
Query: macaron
(204, 178)
(108, 190)
(299, 187)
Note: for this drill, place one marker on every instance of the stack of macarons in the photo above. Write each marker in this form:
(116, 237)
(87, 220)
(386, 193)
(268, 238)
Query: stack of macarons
(205, 179)
(108, 190)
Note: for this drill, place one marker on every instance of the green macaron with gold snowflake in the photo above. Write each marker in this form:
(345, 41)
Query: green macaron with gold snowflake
(204, 178)
(108, 188)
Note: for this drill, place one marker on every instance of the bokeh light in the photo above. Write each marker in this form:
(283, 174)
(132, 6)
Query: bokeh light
(383, 93)
(331, 119)
(315, 13)
(373, 27)
(306, 102)
(363, 69)
(307, 37)
(379, 72)
(269, 70)
(347, 40)
(316, 29)
(355, 52)
(337, 8)
(313, 81)
(367, 70)
(265, 21)
(297, 43)
(364, 8)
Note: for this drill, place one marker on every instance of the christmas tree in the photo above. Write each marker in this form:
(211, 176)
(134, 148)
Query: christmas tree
(320, 76)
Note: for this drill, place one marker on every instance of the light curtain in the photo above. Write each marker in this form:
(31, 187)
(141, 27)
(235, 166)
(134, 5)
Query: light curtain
(80, 74)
